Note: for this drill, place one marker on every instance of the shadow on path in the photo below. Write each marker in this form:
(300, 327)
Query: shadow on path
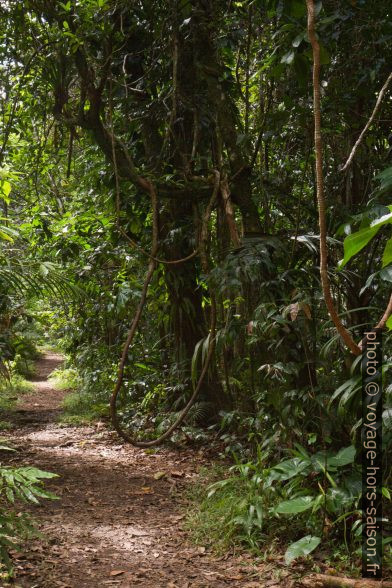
(115, 523)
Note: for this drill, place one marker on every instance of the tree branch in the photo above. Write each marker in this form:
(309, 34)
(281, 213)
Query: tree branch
(369, 122)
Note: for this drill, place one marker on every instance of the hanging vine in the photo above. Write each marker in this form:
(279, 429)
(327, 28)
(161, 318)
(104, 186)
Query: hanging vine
(318, 145)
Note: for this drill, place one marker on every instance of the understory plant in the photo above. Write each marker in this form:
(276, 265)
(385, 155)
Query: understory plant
(18, 485)
(300, 501)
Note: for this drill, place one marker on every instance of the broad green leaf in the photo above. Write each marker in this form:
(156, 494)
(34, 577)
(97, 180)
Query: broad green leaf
(5, 237)
(288, 57)
(356, 242)
(343, 457)
(28, 495)
(389, 323)
(10, 495)
(386, 273)
(289, 468)
(5, 191)
(32, 473)
(295, 505)
(37, 491)
(338, 499)
(298, 39)
(195, 359)
(7, 233)
(387, 255)
(301, 548)
(385, 219)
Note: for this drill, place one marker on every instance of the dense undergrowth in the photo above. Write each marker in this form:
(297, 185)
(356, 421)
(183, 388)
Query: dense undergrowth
(79, 406)
(289, 508)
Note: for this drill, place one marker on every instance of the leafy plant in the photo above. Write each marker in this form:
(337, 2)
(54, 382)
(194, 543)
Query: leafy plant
(255, 500)
(301, 548)
(356, 241)
(22, 484)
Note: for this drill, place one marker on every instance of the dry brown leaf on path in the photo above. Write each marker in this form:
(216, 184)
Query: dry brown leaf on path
(146, 490)
(117, 572)
(177, 474)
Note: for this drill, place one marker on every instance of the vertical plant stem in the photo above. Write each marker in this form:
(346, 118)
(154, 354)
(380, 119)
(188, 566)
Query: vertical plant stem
(318, 146)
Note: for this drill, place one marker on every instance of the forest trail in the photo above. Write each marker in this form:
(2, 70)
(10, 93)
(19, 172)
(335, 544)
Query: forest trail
(115, 524)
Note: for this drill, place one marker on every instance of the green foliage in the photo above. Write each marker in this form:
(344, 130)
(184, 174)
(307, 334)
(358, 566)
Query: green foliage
(65, 378)
(23, 484)
(5, 425)
(253, 504)
(359, 239)
(215, 521)
(301, 548)
(80, 406)
(11, 389)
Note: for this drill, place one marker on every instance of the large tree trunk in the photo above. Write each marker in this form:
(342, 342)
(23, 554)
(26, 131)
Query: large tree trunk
(221, 102)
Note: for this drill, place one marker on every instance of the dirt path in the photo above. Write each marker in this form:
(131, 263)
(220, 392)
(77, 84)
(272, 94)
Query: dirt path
(115, 523)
